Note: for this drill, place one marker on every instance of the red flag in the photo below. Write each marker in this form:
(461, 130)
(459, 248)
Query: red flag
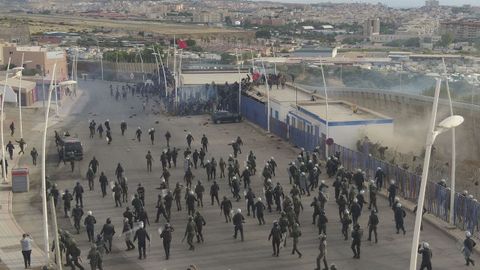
(256, 76)
(182, 44)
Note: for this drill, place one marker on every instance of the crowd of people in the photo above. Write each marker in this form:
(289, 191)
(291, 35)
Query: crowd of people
(284, 204)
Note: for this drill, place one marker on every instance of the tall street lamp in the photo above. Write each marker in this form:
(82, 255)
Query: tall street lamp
(454, 151)
(326, 111)
(447, 124)
(239, 84)
(4, 172)
(44, 180)
(156, 63)
(164, 74)
(268, 96)
(19, 75)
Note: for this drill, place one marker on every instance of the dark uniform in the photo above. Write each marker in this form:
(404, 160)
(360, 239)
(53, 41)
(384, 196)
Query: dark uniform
(346, 221)
(356, 241)
(427, 255)
(177, 193)
(78, 192)
(89, 223)
(250, 197)
(168, 203)
(166, 235)
(129, 215)
(142, 235)
(199, 223)
(161, 209)
(238, 221)
(77, 214)
(399, 214)
(149, 161)
(295, 234)
(214, 192)
(372, 226)
(108, 231)
(258, 209)
(103, 183)
(190, 233)
(117, 195)
(276, 236)
(322, 223)
(226, 206)
(199, 190)
(67, 199)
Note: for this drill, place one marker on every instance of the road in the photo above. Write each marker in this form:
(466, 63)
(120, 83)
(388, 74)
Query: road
(220, 250)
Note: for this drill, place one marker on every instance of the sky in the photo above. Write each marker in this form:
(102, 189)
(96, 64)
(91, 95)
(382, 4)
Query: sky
(391, 3)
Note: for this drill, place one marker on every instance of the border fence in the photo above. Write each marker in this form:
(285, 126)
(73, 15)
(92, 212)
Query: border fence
(437, 198)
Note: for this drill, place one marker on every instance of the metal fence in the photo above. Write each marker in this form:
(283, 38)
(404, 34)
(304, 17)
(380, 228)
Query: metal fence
(254, 111)
(279, 128)
(302, 138)
(437, 198)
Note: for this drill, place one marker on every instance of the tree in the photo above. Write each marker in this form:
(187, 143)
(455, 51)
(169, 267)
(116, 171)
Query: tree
(351, 40)
(228, 20)
(263, 34)
(412, 42)
(191, 42)
(227, 58)
(476, 44)
(445, 40)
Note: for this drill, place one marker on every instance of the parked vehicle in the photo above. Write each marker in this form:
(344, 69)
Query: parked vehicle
(71, 147)
(225, 116)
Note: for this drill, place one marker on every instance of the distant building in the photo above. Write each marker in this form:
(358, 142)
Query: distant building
(312, 51)
(308, 28)
(461, 29)
(268, 21)
(431, 3)
(17, 33)
(371, 27)
(389, 38)
(39, 58)
(207, 17)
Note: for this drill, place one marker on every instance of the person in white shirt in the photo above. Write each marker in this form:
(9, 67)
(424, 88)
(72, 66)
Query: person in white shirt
(26, 243)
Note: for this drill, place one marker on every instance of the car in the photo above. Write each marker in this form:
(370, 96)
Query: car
(225, 116)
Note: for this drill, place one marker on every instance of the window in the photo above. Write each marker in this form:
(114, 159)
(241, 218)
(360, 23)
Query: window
(294, 122)
(276, 115)
(38, 67)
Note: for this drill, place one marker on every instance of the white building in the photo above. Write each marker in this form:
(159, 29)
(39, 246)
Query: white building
(347, 123)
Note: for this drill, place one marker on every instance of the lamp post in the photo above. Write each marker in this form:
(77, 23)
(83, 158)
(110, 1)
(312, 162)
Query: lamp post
(155, 54)
(101, 63)
(4, 173)
(448, 123)
(268, 96)
(326, 110)
(239, 84)
(454, 151)
(141, 64)
(44, 180)
(19, 72)
(163, 69)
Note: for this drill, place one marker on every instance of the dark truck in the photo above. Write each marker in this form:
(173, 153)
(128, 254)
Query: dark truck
(225, 116)
(71, 148)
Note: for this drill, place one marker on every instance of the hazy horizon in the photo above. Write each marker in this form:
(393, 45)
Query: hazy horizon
(390, 3)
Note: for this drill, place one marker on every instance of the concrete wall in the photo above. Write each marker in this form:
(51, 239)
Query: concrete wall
(407, 110)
